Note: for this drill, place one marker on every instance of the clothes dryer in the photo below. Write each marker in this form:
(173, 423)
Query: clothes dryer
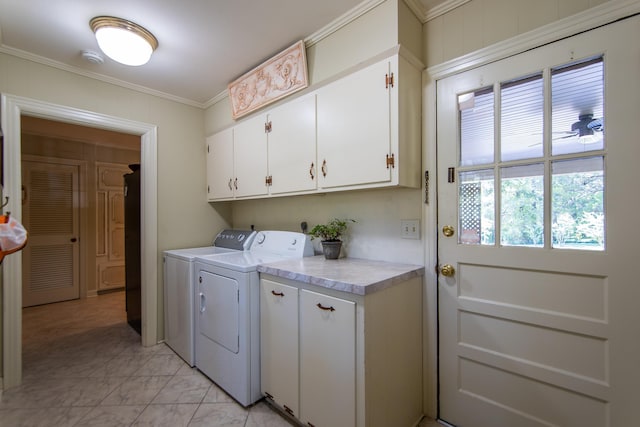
(179, 312)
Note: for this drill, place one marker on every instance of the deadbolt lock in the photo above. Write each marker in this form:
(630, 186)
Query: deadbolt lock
(447, 230)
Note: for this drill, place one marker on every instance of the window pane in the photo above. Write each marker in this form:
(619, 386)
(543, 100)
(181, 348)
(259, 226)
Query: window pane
(577, 93)
(476, 127)
(522, 205)
(522, 118)
(577, 206)
(476, 208)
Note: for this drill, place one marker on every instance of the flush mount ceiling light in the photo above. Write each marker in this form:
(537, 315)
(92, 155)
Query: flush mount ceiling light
(123, 41)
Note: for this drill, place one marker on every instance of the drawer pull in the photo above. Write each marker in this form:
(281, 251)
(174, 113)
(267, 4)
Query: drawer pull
(278, 294)
(322, 307)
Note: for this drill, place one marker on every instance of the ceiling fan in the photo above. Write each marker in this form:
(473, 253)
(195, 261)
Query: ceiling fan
(583, 129)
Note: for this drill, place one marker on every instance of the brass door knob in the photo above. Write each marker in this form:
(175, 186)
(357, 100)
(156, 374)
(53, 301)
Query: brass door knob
(447, 230)
(447, 270)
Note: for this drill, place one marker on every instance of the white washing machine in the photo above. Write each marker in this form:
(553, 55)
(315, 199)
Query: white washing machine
(228, 311)
(179, 331)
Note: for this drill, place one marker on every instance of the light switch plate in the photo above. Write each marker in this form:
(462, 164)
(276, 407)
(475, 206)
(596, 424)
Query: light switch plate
(410, 229)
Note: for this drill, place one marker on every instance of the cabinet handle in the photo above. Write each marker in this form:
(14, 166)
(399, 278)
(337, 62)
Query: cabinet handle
(288, 410)
(311, 171)
(278, 294)
(324, 167)
(322, 307)
(235, 183)
(230, 184)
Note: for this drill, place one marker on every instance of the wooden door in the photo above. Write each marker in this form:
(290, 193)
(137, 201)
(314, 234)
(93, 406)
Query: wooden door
(110, 225)
(51, 209)
(537, 205)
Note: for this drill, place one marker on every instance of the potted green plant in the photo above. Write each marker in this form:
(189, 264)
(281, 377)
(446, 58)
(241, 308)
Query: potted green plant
(330, 234)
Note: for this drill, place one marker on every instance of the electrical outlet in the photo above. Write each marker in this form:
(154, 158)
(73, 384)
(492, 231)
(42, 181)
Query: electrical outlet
(410, 229)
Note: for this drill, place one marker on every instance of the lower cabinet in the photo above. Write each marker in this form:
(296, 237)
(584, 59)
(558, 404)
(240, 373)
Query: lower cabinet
(327, 360)
(335, 359)
(279, 345)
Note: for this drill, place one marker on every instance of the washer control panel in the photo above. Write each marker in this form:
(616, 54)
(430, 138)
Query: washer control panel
(285, 243)
(239, 240)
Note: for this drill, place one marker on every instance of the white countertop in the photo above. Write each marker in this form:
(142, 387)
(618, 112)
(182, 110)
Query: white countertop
(353, 275)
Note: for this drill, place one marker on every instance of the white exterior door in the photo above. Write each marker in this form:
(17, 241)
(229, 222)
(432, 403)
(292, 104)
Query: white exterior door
(51, 208)
(539, 313)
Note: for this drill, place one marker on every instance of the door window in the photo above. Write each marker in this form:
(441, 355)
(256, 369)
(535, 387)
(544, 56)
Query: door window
(547, 187)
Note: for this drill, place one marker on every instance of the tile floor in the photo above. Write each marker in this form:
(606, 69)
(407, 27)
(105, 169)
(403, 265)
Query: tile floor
(84, 366)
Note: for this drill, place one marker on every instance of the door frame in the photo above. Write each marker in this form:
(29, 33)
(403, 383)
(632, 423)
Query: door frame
(11, 109)
(603, 14)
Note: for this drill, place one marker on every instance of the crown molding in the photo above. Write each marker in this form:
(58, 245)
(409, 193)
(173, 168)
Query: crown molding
(443, 8)
(418, 9)
(424, 14)
(589, 19)
(321, 34)
(96, 76)
(341, 21)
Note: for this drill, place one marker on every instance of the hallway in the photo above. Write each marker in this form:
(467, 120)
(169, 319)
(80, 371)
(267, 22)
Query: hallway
(83, 365)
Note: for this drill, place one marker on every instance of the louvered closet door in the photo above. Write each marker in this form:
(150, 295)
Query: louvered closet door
(50, 261)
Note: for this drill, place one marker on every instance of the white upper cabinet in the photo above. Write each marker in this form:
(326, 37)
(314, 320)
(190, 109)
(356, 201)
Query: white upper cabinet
(360, 131)
(220, 165)
(292, 146)
(250, 157)
(369, 128)
(354, 129)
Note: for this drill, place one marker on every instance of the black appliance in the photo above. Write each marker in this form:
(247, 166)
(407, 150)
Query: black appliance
(132, 257)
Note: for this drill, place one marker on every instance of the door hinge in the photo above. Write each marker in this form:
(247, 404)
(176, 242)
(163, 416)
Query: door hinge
(268, 180)
(388, 80)
(391, 161)
(267, 127)
(451, 175)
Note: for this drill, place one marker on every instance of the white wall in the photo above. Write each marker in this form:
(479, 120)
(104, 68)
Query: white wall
(481, 23)
(376, 235)
(185, 219)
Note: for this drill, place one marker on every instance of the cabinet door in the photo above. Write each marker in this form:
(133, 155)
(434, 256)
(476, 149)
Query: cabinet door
(279, 344)
(220, 165)
(292, 146)
(250, 157)
(353, 119)
(327, 360)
